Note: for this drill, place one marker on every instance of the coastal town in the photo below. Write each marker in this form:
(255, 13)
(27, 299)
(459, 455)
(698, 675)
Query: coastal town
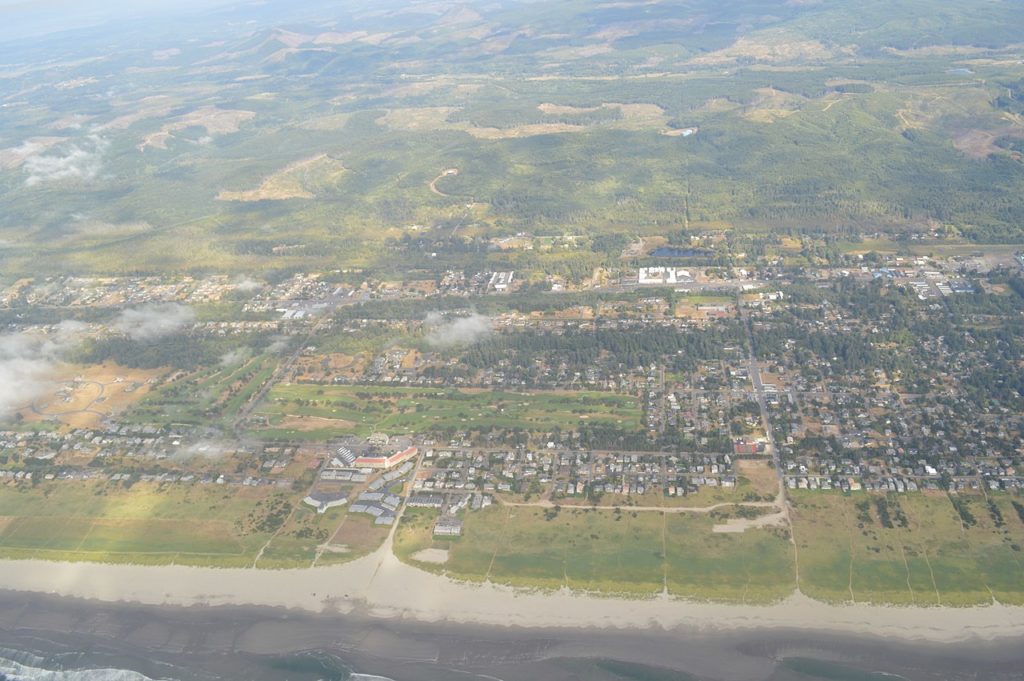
(706, 386)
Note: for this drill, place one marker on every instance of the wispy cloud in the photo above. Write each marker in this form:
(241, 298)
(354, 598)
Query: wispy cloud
(204, 449)
(247, 285)
(445, 332)
(27, 361)
(79, 161)
(154, 321)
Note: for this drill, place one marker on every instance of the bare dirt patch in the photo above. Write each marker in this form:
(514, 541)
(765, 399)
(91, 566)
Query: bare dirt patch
(333, 38)
(979, 144)
(84, 397)
(531, 130)
(641, 112)
(444, 173)
(772, 105)
(738, 525)
(562, 110)
(301, 180)
(580, 52)
(976, 143)
(149, 107)
(290, 38)
(434, 556)
(70, 122)
(768, 47)
(761, 475)
(634, 116)
(680, 132)
(14, 157)
(214, 120)
(311, 423)
(631, 112)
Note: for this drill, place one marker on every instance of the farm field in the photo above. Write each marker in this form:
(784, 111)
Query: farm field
(930, 555)
(364, 409)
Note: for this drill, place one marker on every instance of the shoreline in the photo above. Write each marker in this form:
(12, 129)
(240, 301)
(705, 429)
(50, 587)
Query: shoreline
(381, 587)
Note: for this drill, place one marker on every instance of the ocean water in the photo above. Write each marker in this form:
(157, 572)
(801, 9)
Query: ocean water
(20, 665)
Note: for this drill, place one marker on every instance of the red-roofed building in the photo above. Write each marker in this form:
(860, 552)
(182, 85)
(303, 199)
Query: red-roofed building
(381, 461)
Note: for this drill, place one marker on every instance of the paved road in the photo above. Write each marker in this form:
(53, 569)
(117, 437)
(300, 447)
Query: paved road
(755, 377)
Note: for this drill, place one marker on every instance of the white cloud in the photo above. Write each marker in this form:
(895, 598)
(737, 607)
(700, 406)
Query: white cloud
(247, 285)
(27, 361)
(278, 344)
(79, 162)
(153, 321)
(236, 356)
(444, 333)
(204, 449)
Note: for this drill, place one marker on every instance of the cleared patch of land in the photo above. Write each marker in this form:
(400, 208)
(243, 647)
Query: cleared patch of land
(214, 120)
(769, 46)
(301, 180)
(308, 423)
(418, 118)
(761, 475)
(84, 396)
(14, 157)
(773, 104)
(437, 556)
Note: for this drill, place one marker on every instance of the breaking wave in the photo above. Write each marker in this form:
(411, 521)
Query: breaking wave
(22, 666)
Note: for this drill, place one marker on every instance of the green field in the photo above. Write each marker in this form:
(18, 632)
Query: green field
(207, 525)
(364, 409)
(636, 553)
(210, 393)
(106, 522)
(845, 552)
(935, 559)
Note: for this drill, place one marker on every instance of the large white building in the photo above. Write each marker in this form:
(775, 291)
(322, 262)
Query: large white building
(663, 276)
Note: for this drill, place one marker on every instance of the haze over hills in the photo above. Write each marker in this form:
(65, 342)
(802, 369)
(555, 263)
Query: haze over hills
(283, 133)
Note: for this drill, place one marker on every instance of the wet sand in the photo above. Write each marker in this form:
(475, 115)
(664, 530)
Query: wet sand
(248, 642)
(379, 586)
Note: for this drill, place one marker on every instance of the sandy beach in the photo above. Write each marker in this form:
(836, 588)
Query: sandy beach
(380, 586)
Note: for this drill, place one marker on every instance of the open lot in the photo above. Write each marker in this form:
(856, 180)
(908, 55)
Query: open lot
(207, 525)
(83, 397)
(609, 552)
(412, 410)
(847, 554)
